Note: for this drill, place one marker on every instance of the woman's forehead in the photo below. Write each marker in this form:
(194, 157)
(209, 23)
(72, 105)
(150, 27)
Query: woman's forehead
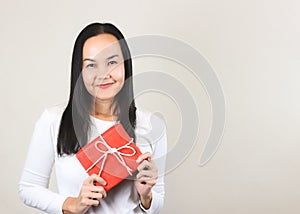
(101, 46)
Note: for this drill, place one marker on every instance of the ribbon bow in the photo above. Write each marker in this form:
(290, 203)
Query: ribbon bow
(115, 152)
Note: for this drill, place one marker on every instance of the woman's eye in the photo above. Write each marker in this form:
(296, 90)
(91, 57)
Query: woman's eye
(91, 65)
(112, 62)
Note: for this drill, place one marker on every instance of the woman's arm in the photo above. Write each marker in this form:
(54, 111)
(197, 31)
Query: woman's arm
(33, 186)
(158, 190)
(153, 202)
(90, 195)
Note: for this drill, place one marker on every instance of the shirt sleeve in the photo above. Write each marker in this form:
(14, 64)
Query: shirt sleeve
(159, 141)
(33, 186)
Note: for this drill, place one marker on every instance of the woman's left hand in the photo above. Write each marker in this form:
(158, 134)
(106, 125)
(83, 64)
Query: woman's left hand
(146, 178)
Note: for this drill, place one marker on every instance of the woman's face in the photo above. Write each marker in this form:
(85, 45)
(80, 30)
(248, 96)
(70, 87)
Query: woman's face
(103, 66)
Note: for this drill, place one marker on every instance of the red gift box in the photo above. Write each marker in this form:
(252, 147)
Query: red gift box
(112, 155)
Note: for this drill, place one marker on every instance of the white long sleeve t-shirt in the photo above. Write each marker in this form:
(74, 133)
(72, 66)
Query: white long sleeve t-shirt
(42, 157)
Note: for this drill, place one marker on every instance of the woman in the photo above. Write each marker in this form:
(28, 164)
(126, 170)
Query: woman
(101, 94)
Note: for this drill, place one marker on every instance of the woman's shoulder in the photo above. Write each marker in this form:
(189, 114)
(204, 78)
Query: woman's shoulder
(56, 109)
(150, 131)
(53, 113)
(147, 122)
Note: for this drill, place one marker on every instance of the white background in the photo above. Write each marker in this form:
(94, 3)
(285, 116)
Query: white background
(254, 48)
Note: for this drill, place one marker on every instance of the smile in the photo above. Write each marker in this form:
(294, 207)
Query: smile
(106, 85)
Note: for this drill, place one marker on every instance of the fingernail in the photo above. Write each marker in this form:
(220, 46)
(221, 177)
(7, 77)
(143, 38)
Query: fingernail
(138, 160)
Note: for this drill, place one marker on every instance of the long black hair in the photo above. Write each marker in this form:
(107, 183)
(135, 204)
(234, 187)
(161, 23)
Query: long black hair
(75, 124)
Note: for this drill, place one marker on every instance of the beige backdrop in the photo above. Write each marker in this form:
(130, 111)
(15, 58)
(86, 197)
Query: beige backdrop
(253, 45)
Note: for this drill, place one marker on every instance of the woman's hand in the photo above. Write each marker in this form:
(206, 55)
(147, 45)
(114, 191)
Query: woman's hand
(90, 195)
(146, 178)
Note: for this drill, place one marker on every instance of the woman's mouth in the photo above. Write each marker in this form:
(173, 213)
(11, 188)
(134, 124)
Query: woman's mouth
(105, 85)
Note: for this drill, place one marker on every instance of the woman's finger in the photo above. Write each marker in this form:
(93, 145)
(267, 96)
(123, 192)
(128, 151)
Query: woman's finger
(90, 202)
(145, 165)
(147, 181)
(96, 196)
(146, 174)
(91, 180)
(97, 189)
(145, 156)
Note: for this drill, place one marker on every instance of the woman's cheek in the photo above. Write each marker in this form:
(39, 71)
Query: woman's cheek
(119, 73)
(88, 80)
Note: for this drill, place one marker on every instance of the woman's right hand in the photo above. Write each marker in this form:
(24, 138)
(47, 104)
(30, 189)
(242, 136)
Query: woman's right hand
(90, 195)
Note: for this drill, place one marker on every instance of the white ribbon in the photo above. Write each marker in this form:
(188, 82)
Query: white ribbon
(115, 152)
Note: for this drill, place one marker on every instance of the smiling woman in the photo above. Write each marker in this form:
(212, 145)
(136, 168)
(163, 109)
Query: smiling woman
(107, 71)
(101, 96)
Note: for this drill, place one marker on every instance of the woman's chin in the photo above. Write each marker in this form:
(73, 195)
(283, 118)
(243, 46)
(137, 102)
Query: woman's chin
(104, 98)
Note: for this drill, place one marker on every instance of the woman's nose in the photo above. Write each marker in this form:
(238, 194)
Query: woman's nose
(103, 73)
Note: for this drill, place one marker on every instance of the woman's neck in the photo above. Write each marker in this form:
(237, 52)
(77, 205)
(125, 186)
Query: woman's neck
(104, 110)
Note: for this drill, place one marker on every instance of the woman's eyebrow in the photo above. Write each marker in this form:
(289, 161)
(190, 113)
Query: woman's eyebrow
(87, 59)
(116, 55)
(108, 58)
